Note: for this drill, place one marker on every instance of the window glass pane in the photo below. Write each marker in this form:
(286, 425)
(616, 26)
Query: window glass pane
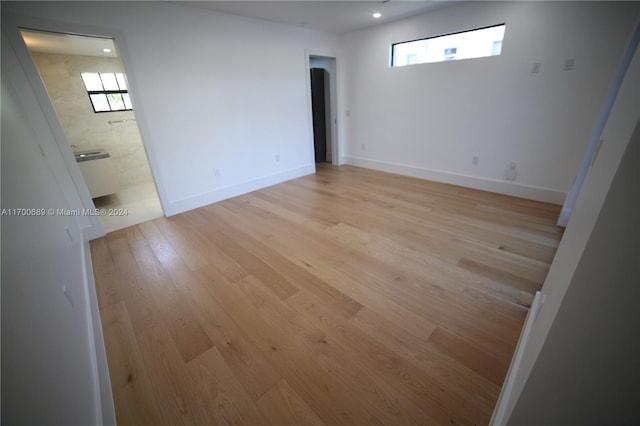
(450, 53)
(116, 101)
(100, 103)
(127, 101)
(109, 81)
(92, 81)
(121, 82)
(497, 47)
(465, 45)
(104, 83)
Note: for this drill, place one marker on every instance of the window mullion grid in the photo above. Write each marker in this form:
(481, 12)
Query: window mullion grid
(106, 93)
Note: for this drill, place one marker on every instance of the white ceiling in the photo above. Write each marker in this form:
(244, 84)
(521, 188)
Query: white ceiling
(332, 16)
(67, 44)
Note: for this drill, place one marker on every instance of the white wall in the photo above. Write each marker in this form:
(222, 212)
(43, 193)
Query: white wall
(51, 373)
(587, 371)
(83, 127)
(585, 336)
(429, 120)
(210, 90)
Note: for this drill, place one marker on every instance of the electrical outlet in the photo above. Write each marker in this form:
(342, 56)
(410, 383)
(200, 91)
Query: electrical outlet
(277, 158)
(362, 146)
(216, 172)
(510, 173)
(475, 161)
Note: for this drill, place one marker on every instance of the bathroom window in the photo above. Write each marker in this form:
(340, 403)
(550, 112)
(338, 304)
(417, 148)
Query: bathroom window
(107, 91)
(469, 44)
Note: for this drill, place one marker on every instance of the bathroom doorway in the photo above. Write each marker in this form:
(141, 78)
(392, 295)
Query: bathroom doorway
(87, 85)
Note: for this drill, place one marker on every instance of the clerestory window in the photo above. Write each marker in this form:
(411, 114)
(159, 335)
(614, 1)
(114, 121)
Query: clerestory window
(468, 44)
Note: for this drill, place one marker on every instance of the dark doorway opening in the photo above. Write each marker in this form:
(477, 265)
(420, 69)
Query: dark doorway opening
(319, 106)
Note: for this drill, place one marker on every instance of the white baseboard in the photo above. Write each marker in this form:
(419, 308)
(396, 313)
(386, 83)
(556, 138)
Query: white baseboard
(92, 232)
(179, 206)
(513, 384)
(498, 186)
(103, 396)
(565, 214)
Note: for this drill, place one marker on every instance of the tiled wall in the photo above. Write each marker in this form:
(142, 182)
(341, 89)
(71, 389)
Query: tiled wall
(85, 128)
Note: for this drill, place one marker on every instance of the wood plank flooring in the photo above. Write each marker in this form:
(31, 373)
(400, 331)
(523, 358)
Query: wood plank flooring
(349, 297)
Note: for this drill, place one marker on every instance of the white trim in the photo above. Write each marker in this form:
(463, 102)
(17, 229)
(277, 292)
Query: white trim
(498, 186)
(185, 204)
(103, 397)
(336, 145)
(565, 214)
(595, 142)
(506, 400)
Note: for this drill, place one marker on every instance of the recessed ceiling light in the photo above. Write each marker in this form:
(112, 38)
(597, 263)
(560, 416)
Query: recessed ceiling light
(377, 15)
(106, 50)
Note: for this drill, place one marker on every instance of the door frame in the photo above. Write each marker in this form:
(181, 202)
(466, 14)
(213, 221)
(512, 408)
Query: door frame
(595, 142)
(336, 127)
(78, 196)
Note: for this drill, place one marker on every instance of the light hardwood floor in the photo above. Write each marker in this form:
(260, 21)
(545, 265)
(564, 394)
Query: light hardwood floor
(349, 297)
